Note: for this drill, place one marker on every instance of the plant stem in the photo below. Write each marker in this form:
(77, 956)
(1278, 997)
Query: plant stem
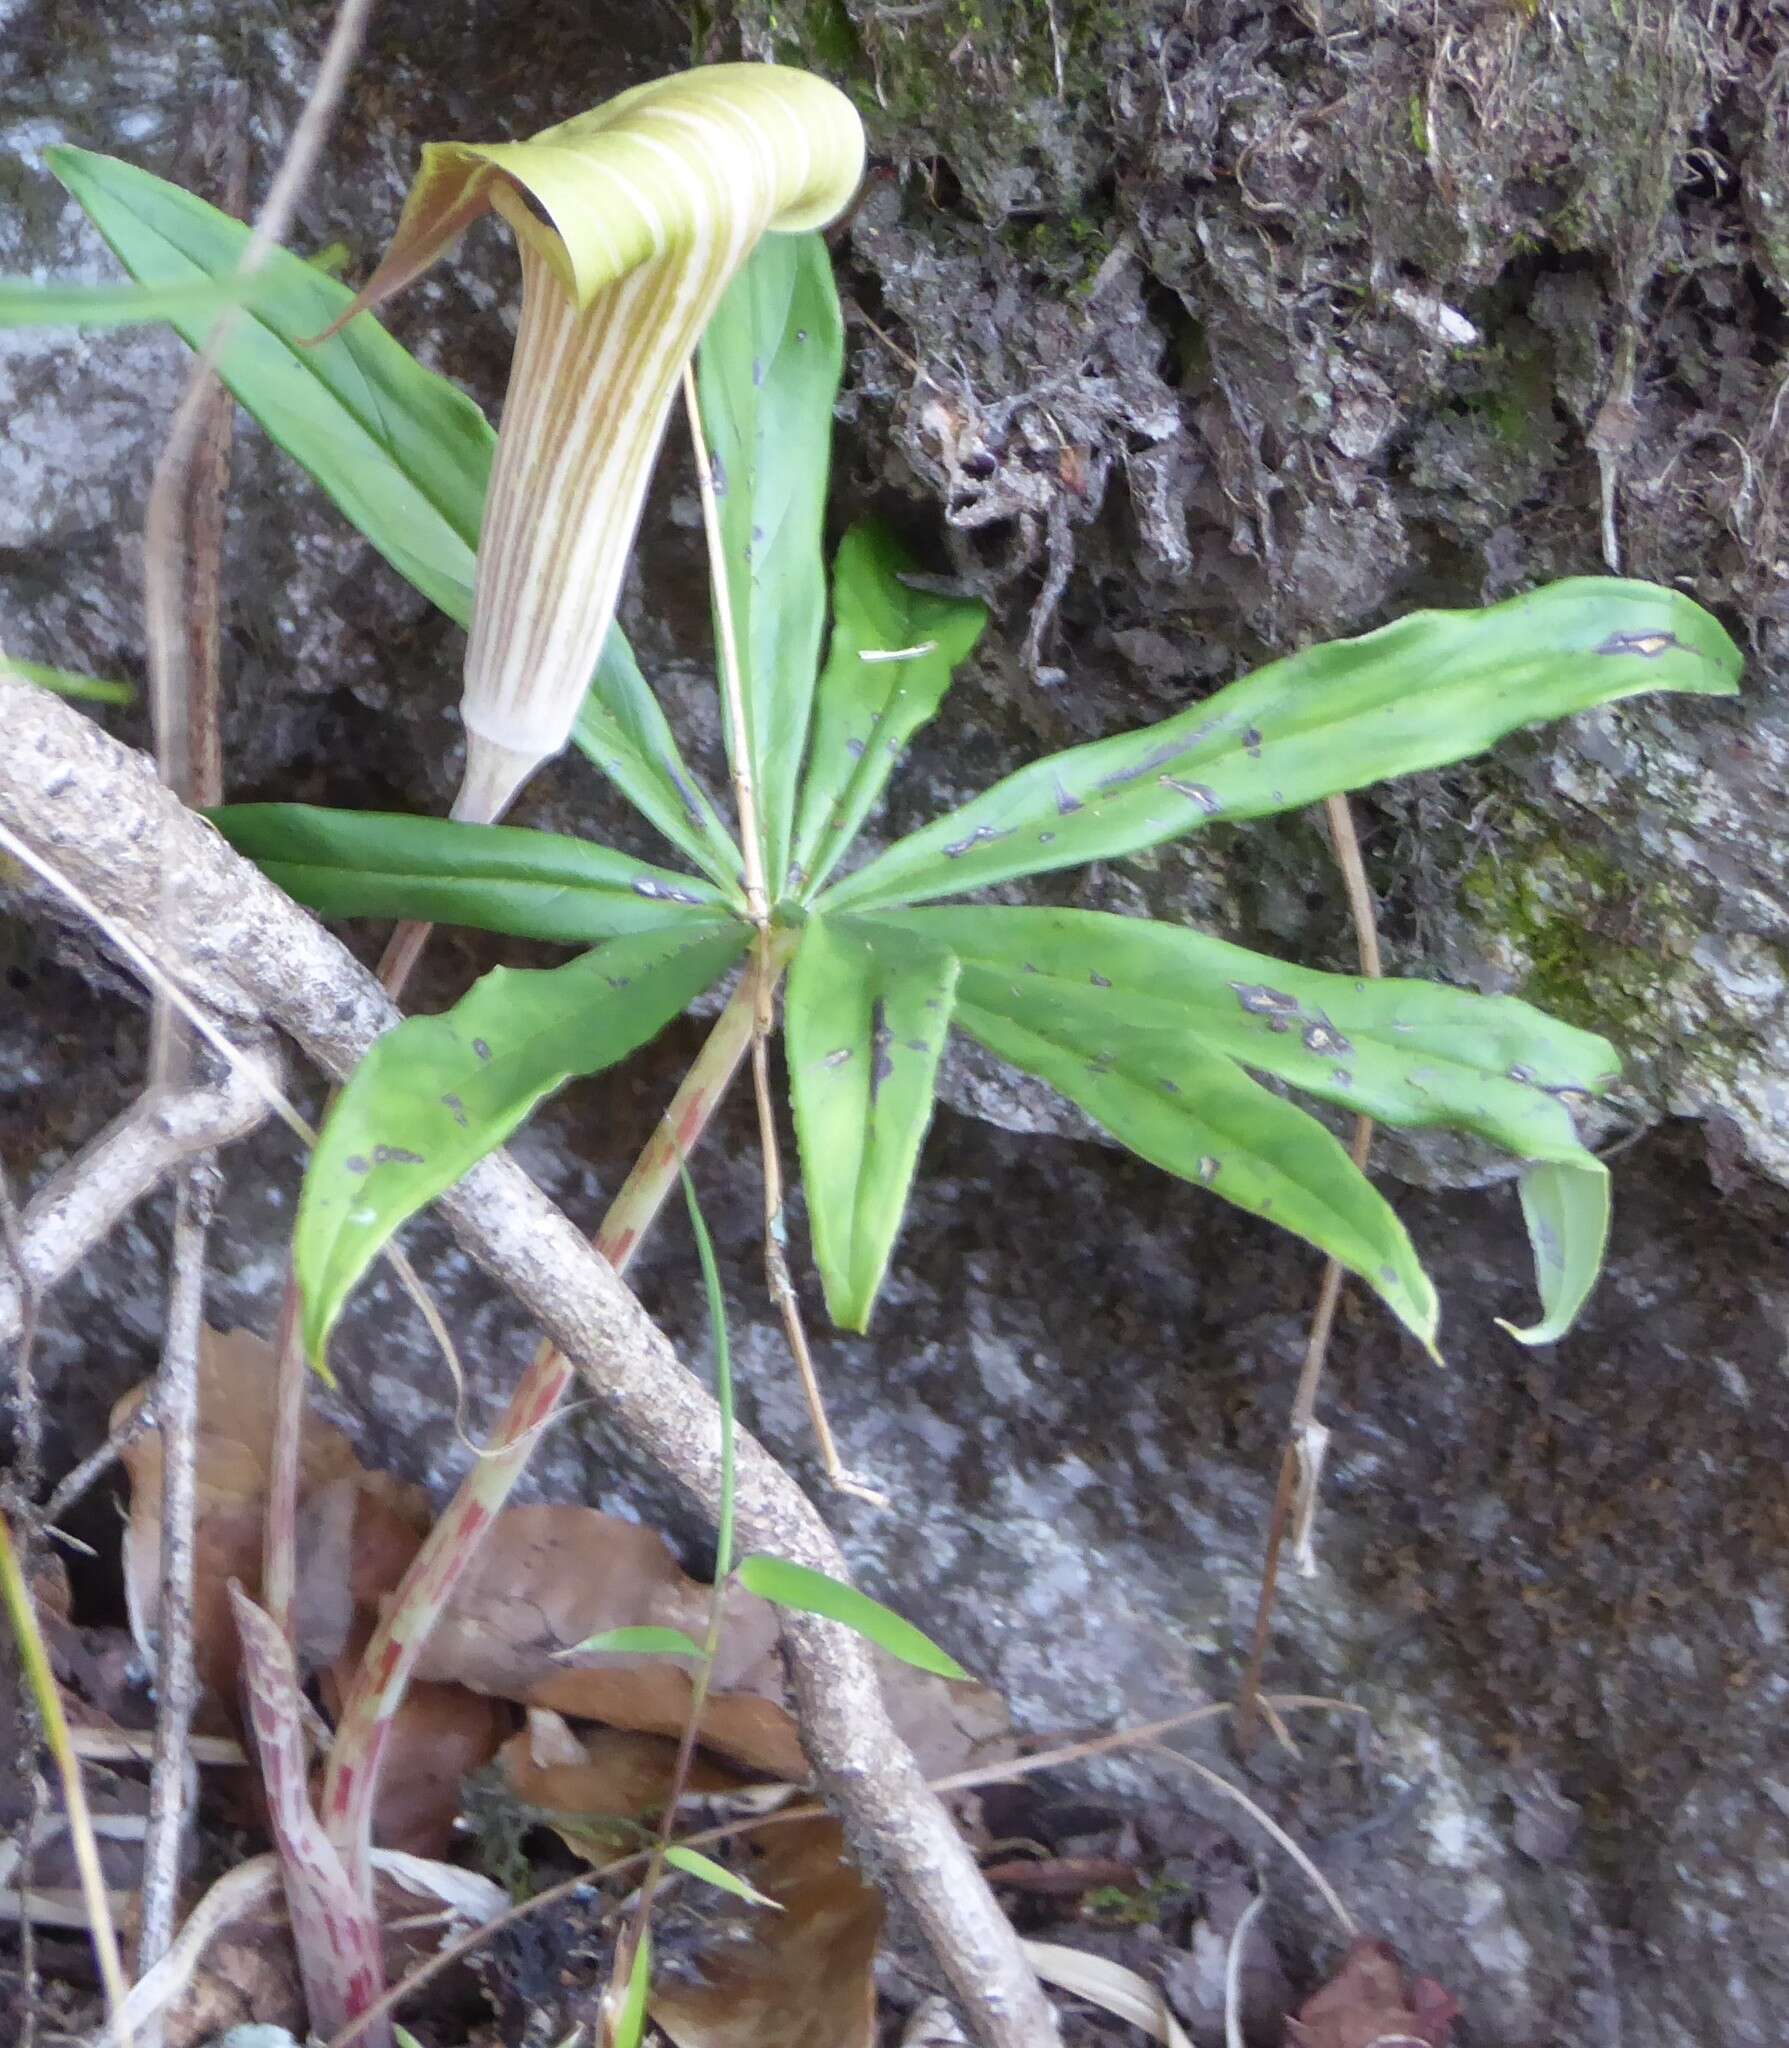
(351, 1779)
(1295, 1492)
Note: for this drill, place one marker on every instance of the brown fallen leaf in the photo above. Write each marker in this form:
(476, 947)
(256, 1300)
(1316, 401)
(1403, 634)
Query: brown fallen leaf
(233, 1448)
(1063, 1877)
(598, 1791)
(1367, 2001)
(800, 1978)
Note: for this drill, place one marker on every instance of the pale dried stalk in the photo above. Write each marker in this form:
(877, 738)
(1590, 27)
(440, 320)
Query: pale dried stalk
(1295, 1492)
(66, 785)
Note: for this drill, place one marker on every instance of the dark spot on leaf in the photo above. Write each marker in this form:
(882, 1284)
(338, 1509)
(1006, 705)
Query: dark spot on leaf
(1030, 967)
(838, 1057)
(801, 334)
(717, 474)
(881, 1038)
(1098, 979)
(1157, 757)
(1261, 1001)
(916, 1045)
(1649, 646)
(934, 1002)
(758, 371)
(456, 1109)
(1389, 1274)
(1343, 1079)
(619, 980)
(356, 1164)
(1101, 1063)
(1251, 743)
(1321, 1036)
(1067, 803)
(396, 1155)
(1208, 800)
(481, 1048)
(692, 807)
(1521, 1073)
(1209, 1169)
(662, 892)
(855, 749)
(983, 835)
(1046, 839)
(1169, 1087)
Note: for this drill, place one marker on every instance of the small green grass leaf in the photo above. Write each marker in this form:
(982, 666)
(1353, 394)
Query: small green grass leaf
(1410, 1053)
(867, 1015)
(24, 304)
(797, 1585)
(723, 1377)
(630, 2021)
(1429, 689)
(88, 689)
(768, 373)
(890, 662)
(1566, 1206)
(436, 1094)
(694, 1864)
(623, 730)
(496, 878)
(644, 1641)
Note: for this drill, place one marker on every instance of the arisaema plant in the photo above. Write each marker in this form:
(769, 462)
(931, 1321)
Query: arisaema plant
(1185, 1048)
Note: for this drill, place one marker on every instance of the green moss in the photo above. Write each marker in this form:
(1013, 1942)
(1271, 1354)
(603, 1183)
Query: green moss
(1588, 943)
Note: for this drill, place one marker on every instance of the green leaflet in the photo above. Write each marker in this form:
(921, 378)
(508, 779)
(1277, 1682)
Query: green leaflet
(1410, 1053)
(630, 2021)
(1428, 689)
(868, 707)
(644, 1641)
(694, 1864)
(622, 728)
(1566, 1208)
(436, 1094)
(497, 878)
(404, 454)
(24, 304)
(768, 371)
(88, 689)
(1198, 1115)
(867, 1014)
(799, 1586)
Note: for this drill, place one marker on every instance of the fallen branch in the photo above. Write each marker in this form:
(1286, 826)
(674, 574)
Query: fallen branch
(69, 790)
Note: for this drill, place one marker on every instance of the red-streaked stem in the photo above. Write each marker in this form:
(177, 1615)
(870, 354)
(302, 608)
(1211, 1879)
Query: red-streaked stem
(351, 1780)
(333, 1926)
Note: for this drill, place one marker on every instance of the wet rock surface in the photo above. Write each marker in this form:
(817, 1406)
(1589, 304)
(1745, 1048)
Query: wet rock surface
(1167, 352)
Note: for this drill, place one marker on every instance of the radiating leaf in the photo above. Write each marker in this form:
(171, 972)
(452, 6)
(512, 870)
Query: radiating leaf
(695, 1864)
(1431, 688)
(496, 878)
(1566, 1207)
(868, 1009)
(890, 662)
(1196, 1114)
(436, 1094)
(24, 304)
(403, 453)
(636, 1642)
(719, 1338)
(88, 689)
(1410, 1053)
(622, 728)
(797, 1585)
(768, 370)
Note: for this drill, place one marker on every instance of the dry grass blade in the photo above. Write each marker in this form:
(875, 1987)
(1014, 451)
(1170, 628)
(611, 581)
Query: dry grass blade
(1111, 1987)
(1239, 1939)
(42, 1683)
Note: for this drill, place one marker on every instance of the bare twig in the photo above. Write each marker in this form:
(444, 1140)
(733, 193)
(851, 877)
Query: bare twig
(67, 785)
(1301, 1464)
(27, 1471)
(176, 1680)
(82, 1201)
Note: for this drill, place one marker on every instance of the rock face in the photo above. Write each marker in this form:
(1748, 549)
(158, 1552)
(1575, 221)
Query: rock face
(1186, 336)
